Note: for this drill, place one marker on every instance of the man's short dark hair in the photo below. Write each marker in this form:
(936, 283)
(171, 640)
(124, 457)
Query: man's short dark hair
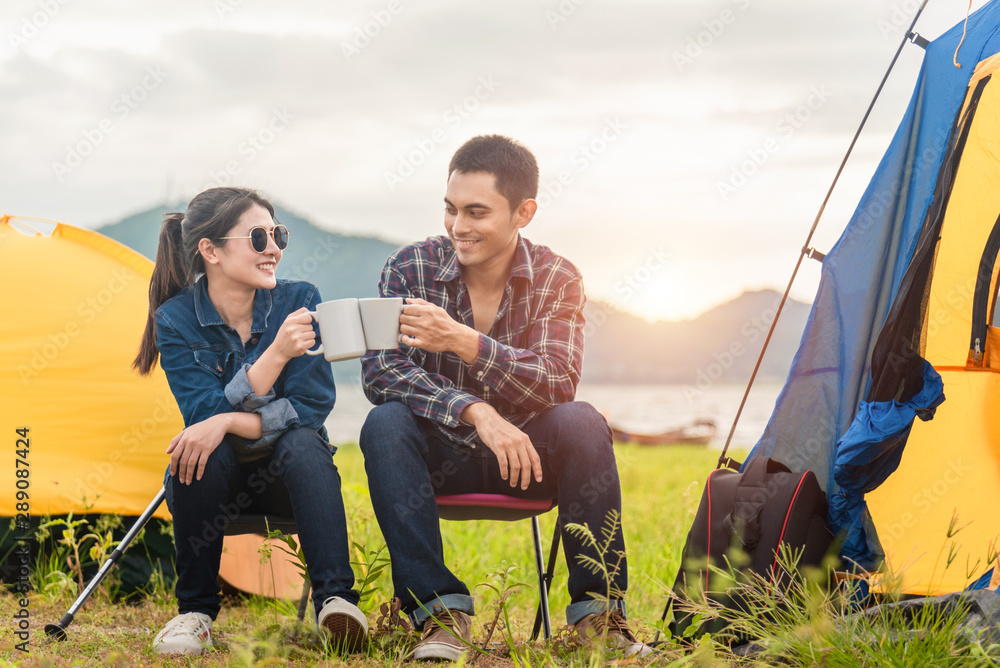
(511, 164)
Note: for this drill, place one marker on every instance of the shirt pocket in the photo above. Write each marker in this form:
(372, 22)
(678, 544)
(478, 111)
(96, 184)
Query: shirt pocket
(213, 361)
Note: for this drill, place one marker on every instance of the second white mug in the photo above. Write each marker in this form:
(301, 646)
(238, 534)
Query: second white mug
(340, 329)
(380, 320)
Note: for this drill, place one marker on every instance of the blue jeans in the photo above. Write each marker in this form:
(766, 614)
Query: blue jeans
(298, 479)
(407, 465)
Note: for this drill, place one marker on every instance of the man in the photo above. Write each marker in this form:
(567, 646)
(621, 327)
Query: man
(479, 398)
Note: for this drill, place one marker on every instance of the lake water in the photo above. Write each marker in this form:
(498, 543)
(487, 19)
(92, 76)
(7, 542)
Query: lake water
(638, 408)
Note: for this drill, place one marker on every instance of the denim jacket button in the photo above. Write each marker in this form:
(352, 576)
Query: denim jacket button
(254, 340)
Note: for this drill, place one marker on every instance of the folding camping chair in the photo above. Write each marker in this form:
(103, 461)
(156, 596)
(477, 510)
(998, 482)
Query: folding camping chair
(464, 507)
(245, 524)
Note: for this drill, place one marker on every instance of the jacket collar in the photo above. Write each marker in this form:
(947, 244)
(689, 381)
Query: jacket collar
(450, 269)
(208, 315)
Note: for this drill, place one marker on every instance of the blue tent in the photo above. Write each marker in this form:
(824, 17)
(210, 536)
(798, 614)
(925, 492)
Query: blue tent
(830, 417)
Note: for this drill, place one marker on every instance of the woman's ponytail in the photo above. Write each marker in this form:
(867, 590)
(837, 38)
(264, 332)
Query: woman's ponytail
(171, 273)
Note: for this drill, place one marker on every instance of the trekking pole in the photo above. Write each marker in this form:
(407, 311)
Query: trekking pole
(812, 253)
(58, 631)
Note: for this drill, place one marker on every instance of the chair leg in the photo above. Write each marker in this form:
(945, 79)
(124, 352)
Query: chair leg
(304, 601)
(543, 620)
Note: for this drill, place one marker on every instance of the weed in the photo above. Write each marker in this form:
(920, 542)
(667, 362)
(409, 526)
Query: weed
(503, 588)
(393, 635)
(601, 565)
(371, 564)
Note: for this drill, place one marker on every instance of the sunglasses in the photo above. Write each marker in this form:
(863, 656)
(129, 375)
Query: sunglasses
(258, 237)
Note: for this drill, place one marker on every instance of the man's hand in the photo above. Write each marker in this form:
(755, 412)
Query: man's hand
(189, 450)
(513, 448)
(429, 327)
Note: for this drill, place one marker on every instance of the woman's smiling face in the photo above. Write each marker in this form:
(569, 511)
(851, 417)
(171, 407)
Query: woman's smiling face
(239, 263)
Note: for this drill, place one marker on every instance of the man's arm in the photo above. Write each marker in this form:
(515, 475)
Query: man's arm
(536, 377)
(398, 375)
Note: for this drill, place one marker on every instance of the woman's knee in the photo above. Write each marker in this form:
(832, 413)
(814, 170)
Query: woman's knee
(301, 447)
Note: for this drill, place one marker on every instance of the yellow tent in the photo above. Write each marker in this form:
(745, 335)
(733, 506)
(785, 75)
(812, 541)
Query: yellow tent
(88, 433)
(951, 465)
(74, 305)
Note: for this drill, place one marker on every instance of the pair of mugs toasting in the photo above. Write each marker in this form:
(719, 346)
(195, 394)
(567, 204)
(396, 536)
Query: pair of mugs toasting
(349, 327)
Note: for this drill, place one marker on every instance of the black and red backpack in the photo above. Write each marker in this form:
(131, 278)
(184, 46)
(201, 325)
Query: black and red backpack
(754, 511)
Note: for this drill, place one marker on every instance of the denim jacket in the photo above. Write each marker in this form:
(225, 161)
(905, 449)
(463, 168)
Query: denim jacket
(206, 363)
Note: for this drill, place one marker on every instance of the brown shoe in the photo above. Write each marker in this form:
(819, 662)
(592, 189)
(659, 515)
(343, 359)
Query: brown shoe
(447, 636)
(609, 625)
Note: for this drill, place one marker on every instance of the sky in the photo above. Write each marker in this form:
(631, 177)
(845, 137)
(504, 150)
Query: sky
(685, 146)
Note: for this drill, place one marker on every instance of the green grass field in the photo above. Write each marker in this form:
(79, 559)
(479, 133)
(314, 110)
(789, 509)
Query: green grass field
(661, 491)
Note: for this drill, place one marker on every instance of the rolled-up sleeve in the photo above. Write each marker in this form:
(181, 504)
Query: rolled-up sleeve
(240, 393)
(276, 418)
(276, 415)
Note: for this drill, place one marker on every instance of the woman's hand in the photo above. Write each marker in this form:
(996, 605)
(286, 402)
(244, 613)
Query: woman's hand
(189, 450)
(295, 336)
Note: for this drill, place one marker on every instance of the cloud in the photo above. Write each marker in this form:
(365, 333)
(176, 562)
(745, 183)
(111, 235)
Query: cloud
(412, 89)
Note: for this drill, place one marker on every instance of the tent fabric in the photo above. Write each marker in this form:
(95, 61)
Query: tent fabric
(862, 272)
(899, 289)
(75, 305)
(868, 452)
(940, 493)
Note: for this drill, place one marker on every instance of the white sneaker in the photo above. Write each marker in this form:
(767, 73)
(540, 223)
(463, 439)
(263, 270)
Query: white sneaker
(190, 633)
(346, 623)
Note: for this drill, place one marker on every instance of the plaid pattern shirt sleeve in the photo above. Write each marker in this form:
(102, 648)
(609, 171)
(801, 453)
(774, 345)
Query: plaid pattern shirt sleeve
(401, 375)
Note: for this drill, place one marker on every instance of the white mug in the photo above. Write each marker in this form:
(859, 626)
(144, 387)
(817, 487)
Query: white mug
(340, 329)
(380, 320)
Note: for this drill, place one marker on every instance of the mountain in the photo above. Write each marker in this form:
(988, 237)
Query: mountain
(341, 265)
(720, 346)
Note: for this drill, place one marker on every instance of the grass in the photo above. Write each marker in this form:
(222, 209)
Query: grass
(661, 490)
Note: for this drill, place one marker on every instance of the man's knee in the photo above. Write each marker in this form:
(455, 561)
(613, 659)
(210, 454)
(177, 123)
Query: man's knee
(384, 427)
(580, 427)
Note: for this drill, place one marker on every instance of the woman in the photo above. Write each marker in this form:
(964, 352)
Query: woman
(230, 338)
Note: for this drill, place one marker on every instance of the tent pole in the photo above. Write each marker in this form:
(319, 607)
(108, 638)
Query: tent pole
(909, 35)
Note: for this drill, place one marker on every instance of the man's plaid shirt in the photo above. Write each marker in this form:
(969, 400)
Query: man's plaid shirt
(529, 362)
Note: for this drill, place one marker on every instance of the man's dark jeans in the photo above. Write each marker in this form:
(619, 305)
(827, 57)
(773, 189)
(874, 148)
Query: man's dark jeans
(297, 480)
(408, 465)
